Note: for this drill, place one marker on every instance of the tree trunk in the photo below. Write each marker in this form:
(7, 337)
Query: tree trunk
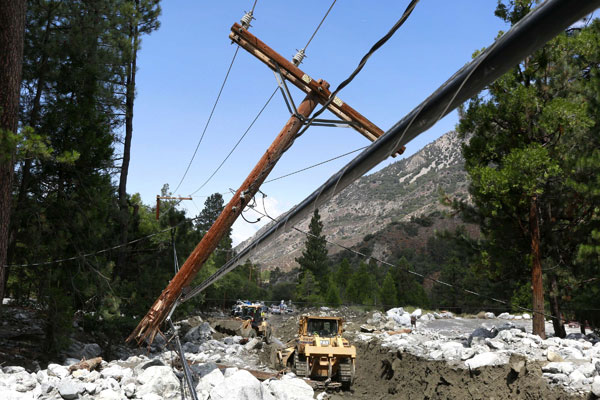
(536, 271)
(12, 30)
(557, 321)
(129, 101)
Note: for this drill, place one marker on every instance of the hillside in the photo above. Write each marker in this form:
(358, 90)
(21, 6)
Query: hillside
(410, 187)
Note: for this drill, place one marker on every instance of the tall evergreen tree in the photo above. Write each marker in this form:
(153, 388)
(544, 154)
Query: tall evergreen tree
(139, 17)
(213, 206)
(314, 255)
(332, 297)
(12, 29)
(388, 291)
(527, 132)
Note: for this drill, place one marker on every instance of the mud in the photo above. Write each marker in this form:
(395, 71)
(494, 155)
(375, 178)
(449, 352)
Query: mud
(381, 374)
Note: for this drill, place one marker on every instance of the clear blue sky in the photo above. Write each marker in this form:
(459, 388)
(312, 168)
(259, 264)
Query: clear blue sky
(182, 65)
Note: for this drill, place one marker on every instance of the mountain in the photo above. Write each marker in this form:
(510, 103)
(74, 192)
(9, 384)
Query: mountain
(406, 190)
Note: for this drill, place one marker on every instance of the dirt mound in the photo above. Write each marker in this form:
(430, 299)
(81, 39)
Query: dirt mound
(381, 374)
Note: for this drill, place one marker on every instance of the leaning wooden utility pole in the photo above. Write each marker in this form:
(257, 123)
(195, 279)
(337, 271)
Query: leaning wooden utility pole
(317, 92)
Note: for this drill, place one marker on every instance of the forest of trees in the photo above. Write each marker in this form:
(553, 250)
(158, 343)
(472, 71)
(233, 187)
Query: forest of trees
(68, 83)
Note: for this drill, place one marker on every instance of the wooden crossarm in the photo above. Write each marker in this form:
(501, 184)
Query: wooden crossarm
(304, 82)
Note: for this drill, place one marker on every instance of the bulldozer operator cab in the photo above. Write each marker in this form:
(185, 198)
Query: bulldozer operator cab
(322, 327)
(253, 313)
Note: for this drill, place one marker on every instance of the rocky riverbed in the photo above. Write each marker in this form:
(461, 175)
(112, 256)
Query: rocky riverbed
(444, 356)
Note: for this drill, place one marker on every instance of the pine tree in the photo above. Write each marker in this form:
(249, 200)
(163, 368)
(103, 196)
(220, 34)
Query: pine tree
(332, 298)
(527, 132)
(388, 292)
(314, 255)
(12, 27)
(213, 206)
(308, 289)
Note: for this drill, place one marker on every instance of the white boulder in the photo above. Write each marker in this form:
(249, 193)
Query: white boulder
(115, 372)
(596, 386)
(9, 394)
(159, 380)
(483, 359)
(252, 344)
(241, 386)
(70, 389)
(210, 380)
(399, 316)
(108, 394)
(289, 389)
(559, 368)
(57, 370)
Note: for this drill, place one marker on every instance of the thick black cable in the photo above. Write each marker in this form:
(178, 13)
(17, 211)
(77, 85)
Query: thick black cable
(209, 119)
(237, 144)
(409, 9)
(533, 31)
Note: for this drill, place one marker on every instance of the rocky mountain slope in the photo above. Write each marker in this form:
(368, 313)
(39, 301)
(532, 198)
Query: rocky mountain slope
(410, 187)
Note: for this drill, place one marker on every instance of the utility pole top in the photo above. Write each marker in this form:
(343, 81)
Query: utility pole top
(304, 82)
(159, 198)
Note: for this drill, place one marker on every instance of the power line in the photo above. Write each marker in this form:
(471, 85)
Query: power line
(238, 142)
(302, 169)
(103, 250)
(320, 23)
(366, 257)
(542, 23)
(409, 9)
(209, 118)
(315, 165)
(297, 59)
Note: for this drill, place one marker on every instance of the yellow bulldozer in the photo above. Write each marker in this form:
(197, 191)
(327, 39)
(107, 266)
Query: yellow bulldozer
(320, 351)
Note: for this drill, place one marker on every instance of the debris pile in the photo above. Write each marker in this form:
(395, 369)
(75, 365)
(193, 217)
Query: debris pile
(573, 362)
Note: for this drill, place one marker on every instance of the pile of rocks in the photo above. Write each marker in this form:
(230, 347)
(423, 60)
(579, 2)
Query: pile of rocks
(153, 377)
(141, 378)
(397, 318)
(574, 362)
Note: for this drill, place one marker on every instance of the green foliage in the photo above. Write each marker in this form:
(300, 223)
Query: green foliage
(521, 298)
(332, 297)
(388, 292)
(362, 287)
(531, 159)
(342, 275)
(283, 291)
(308, 290)
(314, 255)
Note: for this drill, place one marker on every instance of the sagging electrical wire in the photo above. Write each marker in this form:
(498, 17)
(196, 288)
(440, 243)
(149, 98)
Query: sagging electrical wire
(315, 165)
(103, 250)
(237, 144)
(409, 9)
(412, 272)
(246, 19)
(208, 120)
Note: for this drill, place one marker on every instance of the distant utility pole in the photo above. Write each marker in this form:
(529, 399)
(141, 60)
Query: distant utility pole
(317, 93)
(159, 198)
